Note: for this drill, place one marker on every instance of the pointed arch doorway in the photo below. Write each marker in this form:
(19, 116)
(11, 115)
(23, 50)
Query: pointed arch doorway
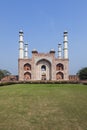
(43, 70)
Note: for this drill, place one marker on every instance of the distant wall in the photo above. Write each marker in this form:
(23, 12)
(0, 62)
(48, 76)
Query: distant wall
(73, 78)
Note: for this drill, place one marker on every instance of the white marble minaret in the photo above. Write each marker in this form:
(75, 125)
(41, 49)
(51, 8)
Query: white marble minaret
(21, 44)
(65, 43)
(59, 51)
(26, 51)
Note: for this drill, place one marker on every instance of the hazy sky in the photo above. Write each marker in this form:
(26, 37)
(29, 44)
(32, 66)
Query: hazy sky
(43, 23)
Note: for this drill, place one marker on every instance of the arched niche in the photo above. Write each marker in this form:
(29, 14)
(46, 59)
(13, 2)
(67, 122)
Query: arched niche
(59, 67)
(27, 76)
(27, 67)
(43, 68)
(59, 76)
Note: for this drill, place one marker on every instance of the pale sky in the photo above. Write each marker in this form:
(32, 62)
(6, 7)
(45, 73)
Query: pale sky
(43, 23)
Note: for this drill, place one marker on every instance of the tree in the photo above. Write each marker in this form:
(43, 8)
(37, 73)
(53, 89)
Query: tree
(1, 74)
(4, 73)
(82, 73)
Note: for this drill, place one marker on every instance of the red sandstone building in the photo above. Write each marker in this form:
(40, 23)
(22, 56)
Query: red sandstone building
(43, 66)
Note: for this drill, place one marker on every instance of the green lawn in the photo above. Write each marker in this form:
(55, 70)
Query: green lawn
(43, 107)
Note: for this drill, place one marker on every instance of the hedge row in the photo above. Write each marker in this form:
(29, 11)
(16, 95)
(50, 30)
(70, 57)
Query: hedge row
(43, 82)
(7, 83)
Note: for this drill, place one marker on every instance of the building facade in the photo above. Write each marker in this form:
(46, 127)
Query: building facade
(43, 66)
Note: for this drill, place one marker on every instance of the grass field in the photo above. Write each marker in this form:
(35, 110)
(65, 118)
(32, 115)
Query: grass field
(43, 107)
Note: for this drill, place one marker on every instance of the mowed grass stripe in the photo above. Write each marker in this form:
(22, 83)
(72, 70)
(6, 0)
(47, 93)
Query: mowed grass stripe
(43, 107)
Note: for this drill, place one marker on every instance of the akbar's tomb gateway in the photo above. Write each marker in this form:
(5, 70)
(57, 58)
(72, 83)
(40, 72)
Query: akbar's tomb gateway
(43, 66)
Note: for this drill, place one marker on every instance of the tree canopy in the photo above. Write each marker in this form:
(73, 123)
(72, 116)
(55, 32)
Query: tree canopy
(82, 73)
(4, 73)
(1, 74)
